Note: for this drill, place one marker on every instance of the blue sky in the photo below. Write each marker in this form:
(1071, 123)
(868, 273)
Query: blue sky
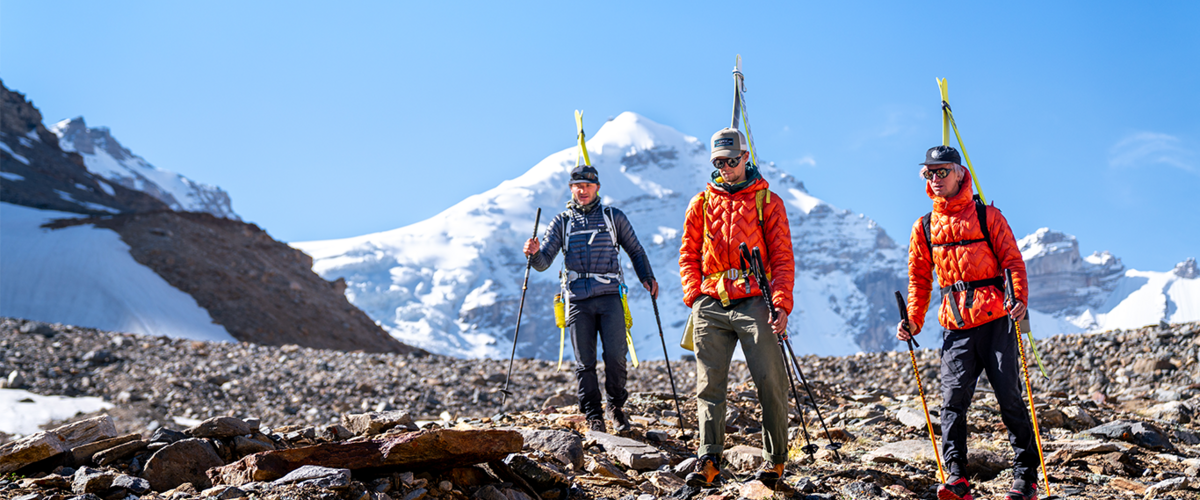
(327, 120)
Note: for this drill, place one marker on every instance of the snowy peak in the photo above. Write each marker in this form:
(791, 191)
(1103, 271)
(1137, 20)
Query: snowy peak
(1187, 269)
(1060, 280)
(104, 156)
(451, 283)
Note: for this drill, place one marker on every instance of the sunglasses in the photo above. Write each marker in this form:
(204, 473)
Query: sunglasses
(584, 176)
(941, 173)
(726, 162)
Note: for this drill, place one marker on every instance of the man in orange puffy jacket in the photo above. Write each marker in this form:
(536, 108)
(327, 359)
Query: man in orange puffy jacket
(970, 245)
(727, 306)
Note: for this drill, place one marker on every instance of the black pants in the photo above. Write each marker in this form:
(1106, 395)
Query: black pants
(989, 348)
(605, 316)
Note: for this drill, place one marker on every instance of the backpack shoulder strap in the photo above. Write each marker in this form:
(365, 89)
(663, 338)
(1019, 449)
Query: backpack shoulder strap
(612, 228)
(981, 212)
(925, 221)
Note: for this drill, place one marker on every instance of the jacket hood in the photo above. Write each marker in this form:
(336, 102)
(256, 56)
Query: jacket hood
(953, 204)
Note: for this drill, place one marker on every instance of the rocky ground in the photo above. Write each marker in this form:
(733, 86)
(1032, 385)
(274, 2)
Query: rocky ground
(1116, 415)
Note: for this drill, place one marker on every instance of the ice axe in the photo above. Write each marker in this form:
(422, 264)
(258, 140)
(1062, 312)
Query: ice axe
(920, 389)
(537, 219)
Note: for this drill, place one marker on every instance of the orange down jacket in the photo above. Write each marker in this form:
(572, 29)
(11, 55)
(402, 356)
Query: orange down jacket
(716, 222)
(954, 220)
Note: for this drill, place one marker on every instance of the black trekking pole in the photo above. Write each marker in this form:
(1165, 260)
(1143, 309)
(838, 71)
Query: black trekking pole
(921, 390)
(667, 357)
(537, 219)
(785, 345)
(763, 287)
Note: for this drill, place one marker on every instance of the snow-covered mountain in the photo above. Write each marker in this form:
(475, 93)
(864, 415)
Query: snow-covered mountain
(1097, 293)
(106, 157)
(451, 283)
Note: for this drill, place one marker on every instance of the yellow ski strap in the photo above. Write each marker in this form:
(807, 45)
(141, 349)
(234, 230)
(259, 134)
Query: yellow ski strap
(582, 143)
(948, 119)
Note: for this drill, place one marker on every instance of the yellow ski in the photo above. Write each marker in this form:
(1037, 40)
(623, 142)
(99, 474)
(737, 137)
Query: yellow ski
(947, 124)
(582, 142)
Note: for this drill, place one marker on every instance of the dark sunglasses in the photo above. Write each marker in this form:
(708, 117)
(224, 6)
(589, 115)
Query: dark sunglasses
(941, 173)
(726, 162)
(584, 176)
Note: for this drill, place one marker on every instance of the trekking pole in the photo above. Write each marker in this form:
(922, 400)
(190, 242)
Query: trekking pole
(803, 381)
(920, 389)
(764, 288)
(1011, 297)
(667, 357)
(537, 219)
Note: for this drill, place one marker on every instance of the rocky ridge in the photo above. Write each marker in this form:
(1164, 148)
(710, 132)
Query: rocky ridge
(1117, 414)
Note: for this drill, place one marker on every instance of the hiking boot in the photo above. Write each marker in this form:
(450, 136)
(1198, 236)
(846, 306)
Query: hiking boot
(705, 474)
(769, 474)
(1022, 489)
(957, 488)
(619, 419)
(597, 424)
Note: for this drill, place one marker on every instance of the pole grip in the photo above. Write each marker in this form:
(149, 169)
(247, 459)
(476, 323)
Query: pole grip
(1009, 294)
(537, 220)
(904, 317)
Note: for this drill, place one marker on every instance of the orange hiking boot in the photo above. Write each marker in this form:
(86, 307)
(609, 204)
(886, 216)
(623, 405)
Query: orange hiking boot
(706, 473)
(769, 474)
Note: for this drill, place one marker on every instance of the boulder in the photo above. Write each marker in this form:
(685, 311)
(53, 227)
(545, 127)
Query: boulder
(135, 485)
(743, 458)
(89, 480)
(243, 445)
(756, 490)
(912, 449)
(82, 455)
(372, 423)
(537, 476)
(219, 427)
(440, 448)
(165, 435)
(563, 445)
(1173, 484)
(633, 454)
(915, 418)
(119, 452)
(185, 461)
(323, 477)
(42, 445)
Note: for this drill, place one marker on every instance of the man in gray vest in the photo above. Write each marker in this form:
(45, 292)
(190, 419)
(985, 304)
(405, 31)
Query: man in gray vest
(589, 235)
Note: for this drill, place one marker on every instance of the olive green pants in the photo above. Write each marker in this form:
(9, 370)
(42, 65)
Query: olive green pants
(717, 333)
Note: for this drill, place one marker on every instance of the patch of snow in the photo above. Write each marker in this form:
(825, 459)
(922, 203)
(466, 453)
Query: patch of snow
(11, 176)
(185, 422)
(86, 204)
(4, 147)
(106, 187)
(85, 276)
(23, 412)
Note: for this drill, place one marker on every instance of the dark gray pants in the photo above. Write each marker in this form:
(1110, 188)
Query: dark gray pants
(603, 315)
(989, 348)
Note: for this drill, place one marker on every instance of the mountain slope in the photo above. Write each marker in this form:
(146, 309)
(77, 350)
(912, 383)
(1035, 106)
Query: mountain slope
(451, 283)
(106, 157)
(139, 266)
(1097, 292)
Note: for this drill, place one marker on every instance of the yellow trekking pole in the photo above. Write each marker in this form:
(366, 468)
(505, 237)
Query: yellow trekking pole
(1012, 299)
(937, 454)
